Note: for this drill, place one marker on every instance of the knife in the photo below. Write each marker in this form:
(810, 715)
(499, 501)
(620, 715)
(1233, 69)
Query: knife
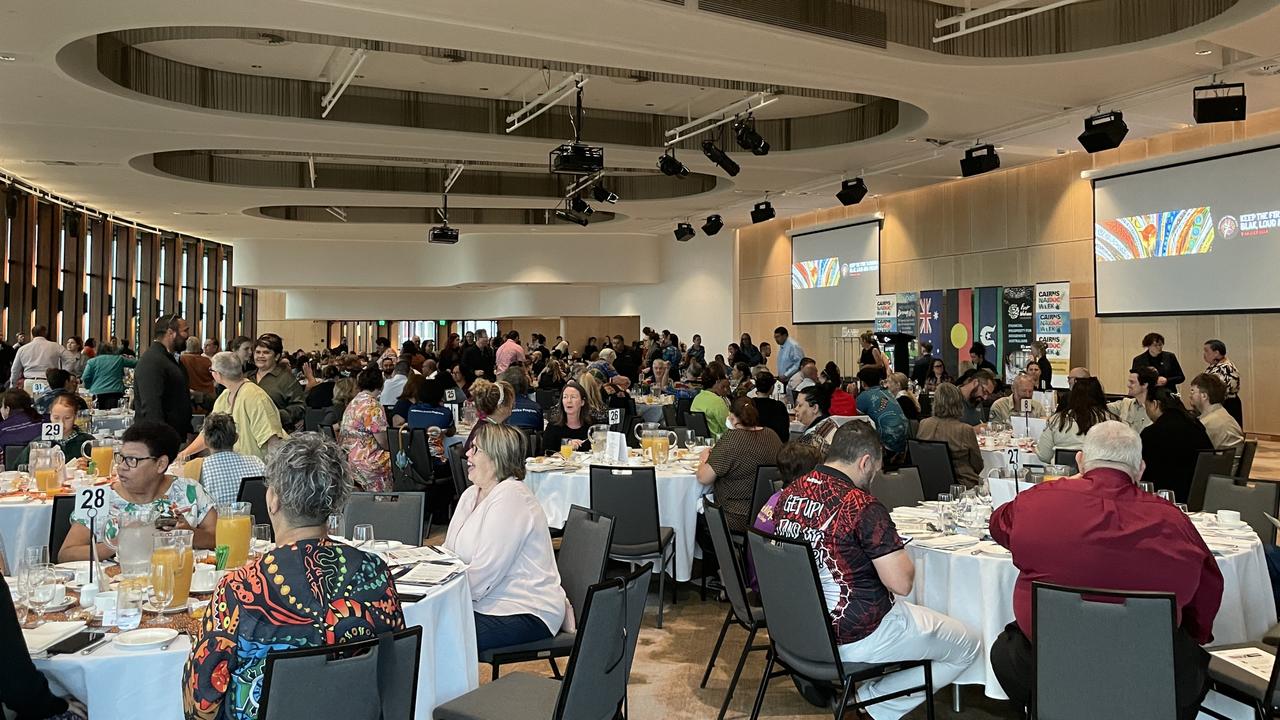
(94, 646)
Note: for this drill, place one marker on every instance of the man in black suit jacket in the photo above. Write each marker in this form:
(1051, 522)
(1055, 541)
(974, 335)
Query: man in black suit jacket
(773, 414)
(920, 370)
(160, 382)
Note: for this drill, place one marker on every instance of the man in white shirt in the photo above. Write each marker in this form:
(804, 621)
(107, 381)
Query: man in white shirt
(1010, 405)
(394, 376)
(1206, 395)
(805, 376)
(32, 359)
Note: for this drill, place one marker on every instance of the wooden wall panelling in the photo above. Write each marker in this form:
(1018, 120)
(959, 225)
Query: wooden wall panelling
(123, 284)
(45, 279)
(99, 290)
(21, 258)
(74, 258)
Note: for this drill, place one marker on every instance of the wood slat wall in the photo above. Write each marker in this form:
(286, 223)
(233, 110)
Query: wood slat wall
(1019, 226)
(58, 264)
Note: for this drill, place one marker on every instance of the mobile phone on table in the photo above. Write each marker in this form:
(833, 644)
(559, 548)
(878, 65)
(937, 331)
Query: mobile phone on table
(75, 643)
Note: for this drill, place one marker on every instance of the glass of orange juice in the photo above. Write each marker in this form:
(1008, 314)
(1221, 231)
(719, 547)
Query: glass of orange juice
(566, 449)
(234, 529)
(172, 563)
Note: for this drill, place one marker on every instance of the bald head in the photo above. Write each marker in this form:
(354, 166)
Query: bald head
(1023, 386)
(1076, 374)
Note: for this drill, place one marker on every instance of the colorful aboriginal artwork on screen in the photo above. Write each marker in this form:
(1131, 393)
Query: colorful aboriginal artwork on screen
(1166, 234)
(815, 273)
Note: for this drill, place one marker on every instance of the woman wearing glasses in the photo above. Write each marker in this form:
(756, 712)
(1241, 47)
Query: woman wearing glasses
(147, 449)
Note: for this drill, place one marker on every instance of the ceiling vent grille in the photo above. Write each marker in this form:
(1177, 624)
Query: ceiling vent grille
(838, 19)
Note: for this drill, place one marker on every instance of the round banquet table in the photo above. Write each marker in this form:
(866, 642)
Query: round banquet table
(977, 590)
(679, 493)
(23, 523)
(1003, 456)
(115, 684)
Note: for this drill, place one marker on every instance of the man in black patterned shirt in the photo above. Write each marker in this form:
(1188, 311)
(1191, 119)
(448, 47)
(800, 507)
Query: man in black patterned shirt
(1215, 356)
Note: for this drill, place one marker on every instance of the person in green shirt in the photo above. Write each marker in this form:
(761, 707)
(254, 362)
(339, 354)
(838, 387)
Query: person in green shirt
(63, 410)
(711, 400)
(104, 376)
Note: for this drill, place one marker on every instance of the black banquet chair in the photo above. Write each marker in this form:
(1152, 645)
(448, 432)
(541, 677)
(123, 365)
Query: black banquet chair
(630, 496)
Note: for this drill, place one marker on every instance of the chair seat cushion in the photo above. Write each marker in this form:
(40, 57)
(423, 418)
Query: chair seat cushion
(559, 646)
(518, 695)
(665, 535)
(1272, 637)
(1233, 678)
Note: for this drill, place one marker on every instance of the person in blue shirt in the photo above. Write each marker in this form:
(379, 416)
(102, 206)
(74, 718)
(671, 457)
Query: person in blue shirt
(671, 352)
(526, 413)
(428, 414)
(891, 423)
(789, 353)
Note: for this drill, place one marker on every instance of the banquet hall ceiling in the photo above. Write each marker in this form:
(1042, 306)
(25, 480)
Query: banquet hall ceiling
(202, 118)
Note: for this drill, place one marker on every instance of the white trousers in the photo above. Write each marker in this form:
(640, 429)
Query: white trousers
(912, 632)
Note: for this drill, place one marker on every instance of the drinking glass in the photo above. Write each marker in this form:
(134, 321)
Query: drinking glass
(566, 449)
(362, 535)
(261, 539)
(690, 441)
(172, 564)
(1167, 495)
(944, 513)
(42, 583)
(130, 593)
(1183, 507)
(336, 525)
(164, 577)
(35, 555)
(1147, 487)
(956, 491)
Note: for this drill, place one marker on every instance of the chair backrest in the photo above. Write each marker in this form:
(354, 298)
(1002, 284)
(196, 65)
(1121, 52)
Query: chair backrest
(1208, 462)
(394, 516)
(1250, 499)
(799, 622)
(595, 682)
(630, 496)
(398, 447)
(60, 524)
(548, 400)
(253, 490)
(913, 428)
(682, 435)
(1065, 456)
(669, 417)
(1244, 462)
(584, 552)
(11, 455)
(367, 680)
(1101, 653)
(313, 417)
(898, 489)
(191, 468)
(697, 422)
(732, 574)
(768, 480)
(197, 423)
(684, 403)
(421, 464)
(457, 469)
(532, 442)
(933, 459)
(327, 431)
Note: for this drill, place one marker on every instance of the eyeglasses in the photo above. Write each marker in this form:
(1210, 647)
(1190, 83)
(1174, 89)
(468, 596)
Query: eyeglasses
(131, 462)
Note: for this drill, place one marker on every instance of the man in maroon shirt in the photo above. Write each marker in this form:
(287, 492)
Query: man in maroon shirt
(863, 565)
(1099, 530)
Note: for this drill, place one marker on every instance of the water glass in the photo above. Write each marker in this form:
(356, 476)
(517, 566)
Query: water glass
(1167, 495)
(1183, 507)
(42, 585)
(1148, 487)
(944, 513)
(362, 536)
(129, 604)
(956, 491)
(35, 555)
(261, 539)
(337, 525)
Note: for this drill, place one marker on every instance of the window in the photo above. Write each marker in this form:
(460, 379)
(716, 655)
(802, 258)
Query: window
(88, 281)
(489, 326)
(424, 330)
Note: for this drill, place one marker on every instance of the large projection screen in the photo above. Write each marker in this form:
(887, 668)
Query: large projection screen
(835, 273)
(1197, 237)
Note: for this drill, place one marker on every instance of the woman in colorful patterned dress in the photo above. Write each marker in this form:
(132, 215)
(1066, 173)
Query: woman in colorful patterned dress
(363, 434)
(145, 453)
(305, 592)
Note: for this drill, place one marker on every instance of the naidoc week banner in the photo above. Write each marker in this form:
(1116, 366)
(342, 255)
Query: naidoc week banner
(1017, 315)
(908, 309)
(1053, 327)
(986, 323)
(886, 317)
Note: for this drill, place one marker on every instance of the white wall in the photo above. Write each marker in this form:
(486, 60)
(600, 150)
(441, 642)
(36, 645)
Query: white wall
(694, 296)
(505, 302)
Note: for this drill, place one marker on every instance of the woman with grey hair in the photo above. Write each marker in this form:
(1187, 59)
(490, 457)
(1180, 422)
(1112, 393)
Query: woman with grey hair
(223, 471)
(306, 592)
(500, 531)
(256, 418)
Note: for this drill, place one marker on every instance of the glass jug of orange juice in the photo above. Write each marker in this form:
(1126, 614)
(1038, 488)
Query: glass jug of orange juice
(103, 454)
(234, 529)
(46, 467)
(172, 562)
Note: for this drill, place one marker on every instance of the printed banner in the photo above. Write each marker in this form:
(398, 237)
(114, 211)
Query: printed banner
(929, 319)
(908, 308)
(886, 317)
(1017, 314)
(986, 323)
(1053, 327)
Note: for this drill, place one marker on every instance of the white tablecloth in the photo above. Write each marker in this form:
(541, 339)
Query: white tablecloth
(121, 684)
(23, 525)
(977, 590)
(1001, 457)
(678, 494)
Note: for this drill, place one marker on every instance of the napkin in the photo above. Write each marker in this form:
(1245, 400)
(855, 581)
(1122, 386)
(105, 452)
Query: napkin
(51, 633)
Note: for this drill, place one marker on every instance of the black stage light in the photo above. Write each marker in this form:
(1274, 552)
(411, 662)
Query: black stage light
(1216, 103)
(762, 212)
(581, 206)
(602, 194)
(684, 232)
(852, 191)
(672, 167)
(1104, 131)
(720, 158)
(571, 216)
(749, 139)
(443, 234)
(979, 159)
(712, 226)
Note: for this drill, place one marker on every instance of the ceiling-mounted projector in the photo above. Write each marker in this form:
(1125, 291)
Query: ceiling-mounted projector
(577, 159)
(443, 234)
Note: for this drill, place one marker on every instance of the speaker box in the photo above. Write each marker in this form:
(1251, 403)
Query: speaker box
(1221, 106)
(1103, 132)
(978, 160)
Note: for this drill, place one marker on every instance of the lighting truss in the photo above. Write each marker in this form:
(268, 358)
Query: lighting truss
(340, 83)
(963, 18)
(715, 119)
(582, 184)
(541, 104)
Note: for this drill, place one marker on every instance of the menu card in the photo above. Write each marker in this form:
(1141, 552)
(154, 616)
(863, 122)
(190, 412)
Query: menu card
(615, 448)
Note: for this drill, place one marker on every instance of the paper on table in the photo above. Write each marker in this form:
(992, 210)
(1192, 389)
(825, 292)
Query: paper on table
(51, 633)
(414, 555)
(429, 574)
(1251, 660)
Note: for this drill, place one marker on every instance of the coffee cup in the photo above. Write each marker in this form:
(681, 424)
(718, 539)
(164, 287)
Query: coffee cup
(81, 578)
(203, 575)
(105, 603)
(1229, 517)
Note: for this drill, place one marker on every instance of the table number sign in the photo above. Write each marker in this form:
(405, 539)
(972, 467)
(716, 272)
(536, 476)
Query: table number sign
(51, 431)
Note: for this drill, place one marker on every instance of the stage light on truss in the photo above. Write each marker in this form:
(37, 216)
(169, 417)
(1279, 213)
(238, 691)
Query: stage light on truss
(713, 225)
(670, 166)
(852, 191)
(684, 232)
(720, 158)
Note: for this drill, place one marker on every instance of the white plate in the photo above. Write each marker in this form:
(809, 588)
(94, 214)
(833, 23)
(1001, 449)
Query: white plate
(14, 500)
(145, 639)
(385, 545)
(67, 602)
(148, 607)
